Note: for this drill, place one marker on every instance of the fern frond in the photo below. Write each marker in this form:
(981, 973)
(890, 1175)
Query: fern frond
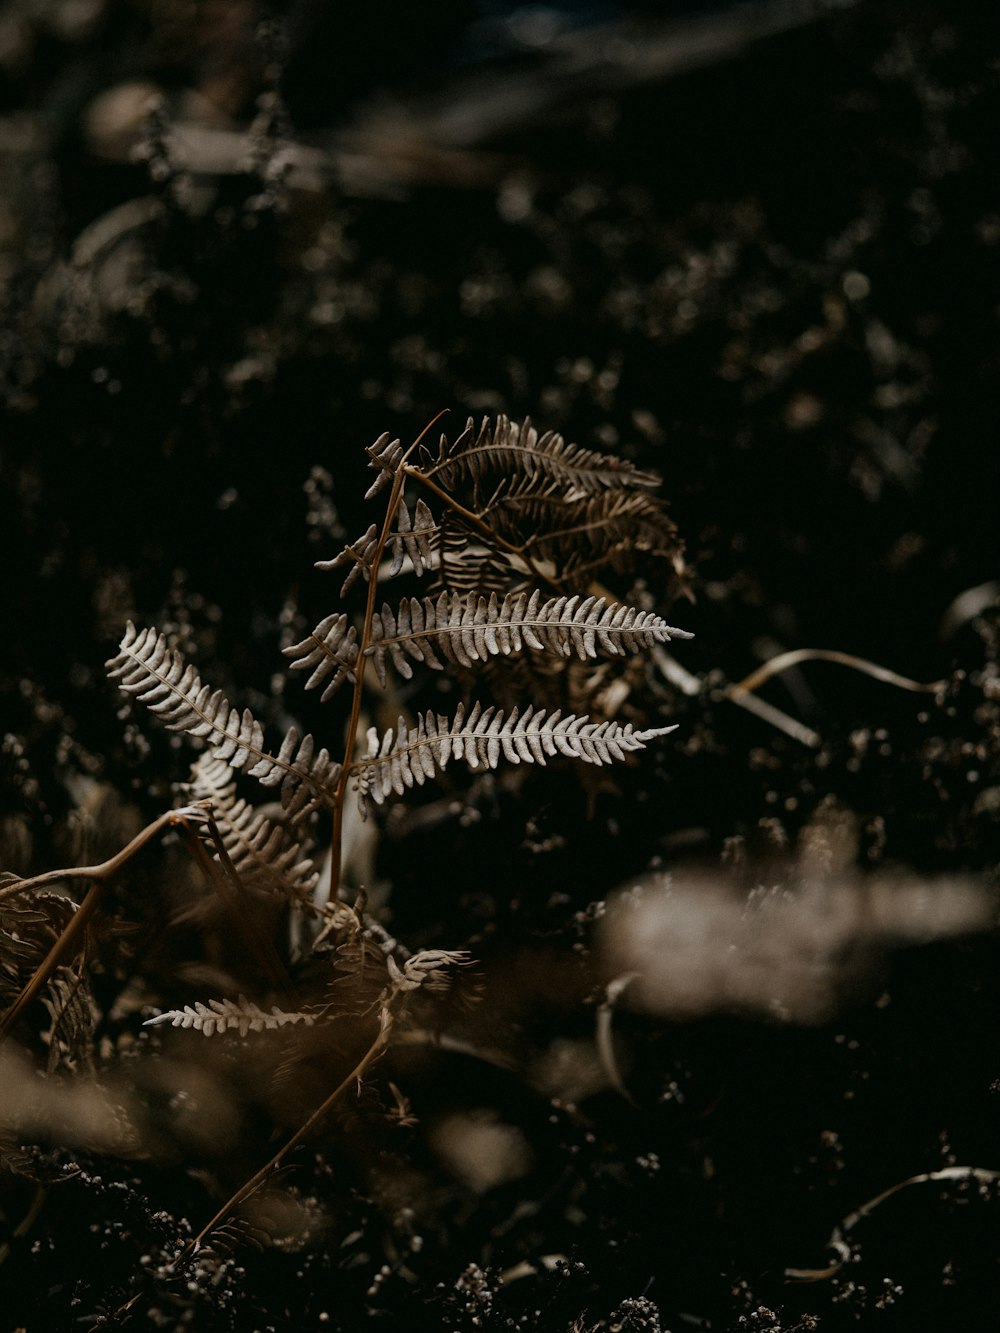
(559, 524)
(409, 755)
(357, 558)
(264, 854)
(428, 969)
(510, 449)
(157, 675)
(580, 566)
(331, 647)
(471, 629)
(409, 537)
(241, 1016)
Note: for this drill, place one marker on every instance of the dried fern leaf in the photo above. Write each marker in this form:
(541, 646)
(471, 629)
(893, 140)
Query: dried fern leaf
(509, 449)
(409, 755)
(386, 456)
(240, 1016)
(357, 559)
(580, 566)
(264, 853)
(150, 670)
(428, 969)
(470, 629)
(73, 1018)
(29, 926)
(465, 563)
(412, 537)
(330, 652)
(557, 525)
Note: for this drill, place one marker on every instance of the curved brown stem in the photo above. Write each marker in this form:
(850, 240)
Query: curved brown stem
(395, 495)
(107, 869)
(305, 1129)
(100, 876)
(785, 660)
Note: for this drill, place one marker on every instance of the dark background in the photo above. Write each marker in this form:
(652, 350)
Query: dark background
(755, 249)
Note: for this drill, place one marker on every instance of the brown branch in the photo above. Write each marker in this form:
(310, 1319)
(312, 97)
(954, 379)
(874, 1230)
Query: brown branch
(339, 796)
(108, 869)
(100, 876)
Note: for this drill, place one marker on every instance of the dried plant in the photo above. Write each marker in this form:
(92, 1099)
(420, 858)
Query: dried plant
(521, 506)
(512, 530)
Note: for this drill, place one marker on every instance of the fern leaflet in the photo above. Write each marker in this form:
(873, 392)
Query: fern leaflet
(240, 1016)
(409, 755)
(263, 853)
(511, 449)
(157, 675)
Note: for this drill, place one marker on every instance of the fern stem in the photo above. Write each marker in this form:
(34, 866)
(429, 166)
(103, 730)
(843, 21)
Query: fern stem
(340, 794)
(260, 1177)
(108, 869)
(99, 877)
(785, 660)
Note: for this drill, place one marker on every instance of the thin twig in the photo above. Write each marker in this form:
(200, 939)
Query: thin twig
(395, 495)
(443, 1041)
(271, 1168)
(837, 1243)
(674, 673)
(108, 869)
(776, 716)
(320, 1114)
(785, 660)
(99, 876)
(742, 692)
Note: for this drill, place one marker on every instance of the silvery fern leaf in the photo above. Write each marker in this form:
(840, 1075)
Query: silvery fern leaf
(263, 852)
(240, 1016)
(429, 968)
(357, 559)
(151, 671)
(470, 629)
(408, 756)
(330, 653)
(509, 449)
